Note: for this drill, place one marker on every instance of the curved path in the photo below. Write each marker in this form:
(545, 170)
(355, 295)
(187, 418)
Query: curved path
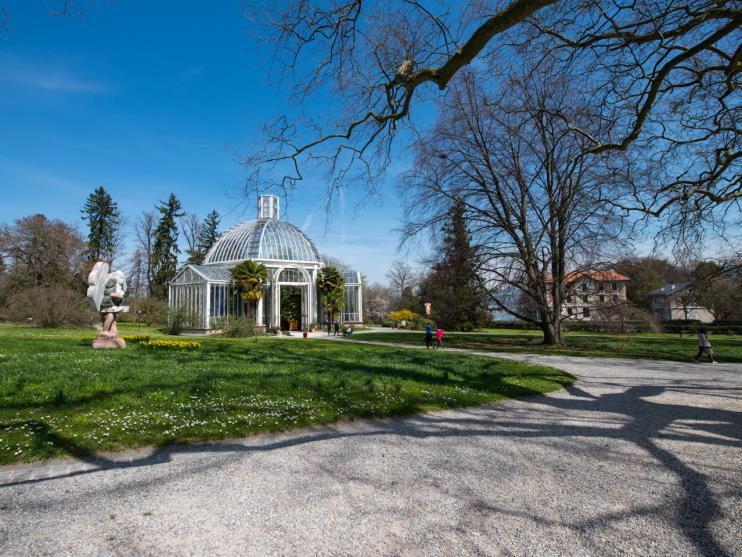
(637, 457)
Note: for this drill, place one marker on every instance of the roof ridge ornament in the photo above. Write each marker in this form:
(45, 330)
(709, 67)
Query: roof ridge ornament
(268, 207)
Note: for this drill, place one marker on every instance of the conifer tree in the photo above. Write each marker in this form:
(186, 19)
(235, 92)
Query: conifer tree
(165, 252)
(459, 301)
(209, 233)
(102, 215)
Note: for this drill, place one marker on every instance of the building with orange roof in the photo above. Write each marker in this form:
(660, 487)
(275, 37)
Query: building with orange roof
(593, 294)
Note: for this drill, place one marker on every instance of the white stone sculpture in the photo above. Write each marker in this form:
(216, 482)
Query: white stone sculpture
(106, 292)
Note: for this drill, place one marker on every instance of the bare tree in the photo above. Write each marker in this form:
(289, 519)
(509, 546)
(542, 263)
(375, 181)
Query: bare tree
(44, 271)
(41, 252)
(535, 206)
(53, 7)
(717, 285)
(377, 303)
(401, 276)
(141, 271)
(190, 226)
(666, 75)
(666, 78)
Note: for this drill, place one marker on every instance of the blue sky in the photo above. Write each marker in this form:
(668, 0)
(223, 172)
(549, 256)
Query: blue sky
(145, 98)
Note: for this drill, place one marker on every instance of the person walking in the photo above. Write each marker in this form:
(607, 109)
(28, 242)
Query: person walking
(428, 336)
(439, 337)
(337, 328)
(329, 327)
(704, 346)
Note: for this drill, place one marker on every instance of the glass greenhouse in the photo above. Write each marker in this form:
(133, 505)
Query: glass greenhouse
(290, 299)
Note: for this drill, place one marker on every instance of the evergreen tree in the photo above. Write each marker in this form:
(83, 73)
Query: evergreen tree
(208, 235)
(165, 252)
(103, 217)
(459, 301)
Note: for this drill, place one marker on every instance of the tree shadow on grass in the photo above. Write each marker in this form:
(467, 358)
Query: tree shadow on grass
(646, 422)
(323, 371)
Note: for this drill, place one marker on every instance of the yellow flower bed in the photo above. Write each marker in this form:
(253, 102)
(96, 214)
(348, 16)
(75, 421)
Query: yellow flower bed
(167, 344)
(135, 338)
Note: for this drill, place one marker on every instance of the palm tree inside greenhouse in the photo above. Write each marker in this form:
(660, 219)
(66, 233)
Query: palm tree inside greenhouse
(248, 280)
(331, 286)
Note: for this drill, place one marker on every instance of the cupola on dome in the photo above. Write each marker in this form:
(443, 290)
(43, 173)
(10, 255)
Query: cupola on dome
(265, 239)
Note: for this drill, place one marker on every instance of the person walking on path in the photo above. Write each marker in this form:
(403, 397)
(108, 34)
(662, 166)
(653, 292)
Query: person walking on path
(337, 328)
(428, 336)
(329, 327)
(439, 337)
(704, 346)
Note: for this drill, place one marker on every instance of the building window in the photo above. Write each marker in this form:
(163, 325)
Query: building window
(585, 312)
(569, 311)
(570, 299)
(601, 287)
(615, 298)
(614, 286)
(584, 287)
(602, 299)
(585, 299)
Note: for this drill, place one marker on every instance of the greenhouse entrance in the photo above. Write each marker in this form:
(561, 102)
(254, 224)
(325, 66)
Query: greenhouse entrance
(292, 299)
(291, 304)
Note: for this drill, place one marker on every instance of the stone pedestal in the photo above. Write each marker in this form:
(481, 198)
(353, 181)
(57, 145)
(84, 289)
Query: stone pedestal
(103, 342)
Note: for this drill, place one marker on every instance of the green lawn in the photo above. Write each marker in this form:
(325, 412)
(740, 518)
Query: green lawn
(658, 347)
(59, 397)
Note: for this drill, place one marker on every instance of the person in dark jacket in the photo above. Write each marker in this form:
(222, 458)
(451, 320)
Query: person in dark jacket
(704, 346)
(428, 336)
(337, 328)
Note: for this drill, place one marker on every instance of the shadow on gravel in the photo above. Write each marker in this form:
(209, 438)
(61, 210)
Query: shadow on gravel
(646, 422)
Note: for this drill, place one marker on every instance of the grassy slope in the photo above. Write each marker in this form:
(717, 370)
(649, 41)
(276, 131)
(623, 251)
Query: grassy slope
(60, 397)
(664, 347)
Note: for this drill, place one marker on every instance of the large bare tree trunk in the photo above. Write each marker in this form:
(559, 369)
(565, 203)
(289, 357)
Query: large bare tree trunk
(552, 333)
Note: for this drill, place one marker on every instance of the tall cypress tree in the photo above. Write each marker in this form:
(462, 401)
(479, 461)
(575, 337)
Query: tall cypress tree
(165, 252)
(102, 215)
(209, 233)
(459, 301)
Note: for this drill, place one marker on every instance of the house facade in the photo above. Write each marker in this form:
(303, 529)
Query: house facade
(677, 301)
(594, 295)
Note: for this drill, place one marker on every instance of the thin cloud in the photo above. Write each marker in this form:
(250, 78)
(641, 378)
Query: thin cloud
(27, 74)
(14, 174)
(191, 74)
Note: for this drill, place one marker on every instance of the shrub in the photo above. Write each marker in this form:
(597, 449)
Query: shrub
(691, 327)
(235, 326)
(407, 315)
(517, 325)
(171, 344)
(135, 338)
(178, 318)
(153, 311)
(50, 306)
(610, 326)
(424, 322)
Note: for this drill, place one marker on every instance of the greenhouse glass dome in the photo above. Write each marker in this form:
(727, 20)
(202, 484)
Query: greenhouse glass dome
(290, 299)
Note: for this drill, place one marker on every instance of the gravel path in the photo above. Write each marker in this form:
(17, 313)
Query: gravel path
(638, 457)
